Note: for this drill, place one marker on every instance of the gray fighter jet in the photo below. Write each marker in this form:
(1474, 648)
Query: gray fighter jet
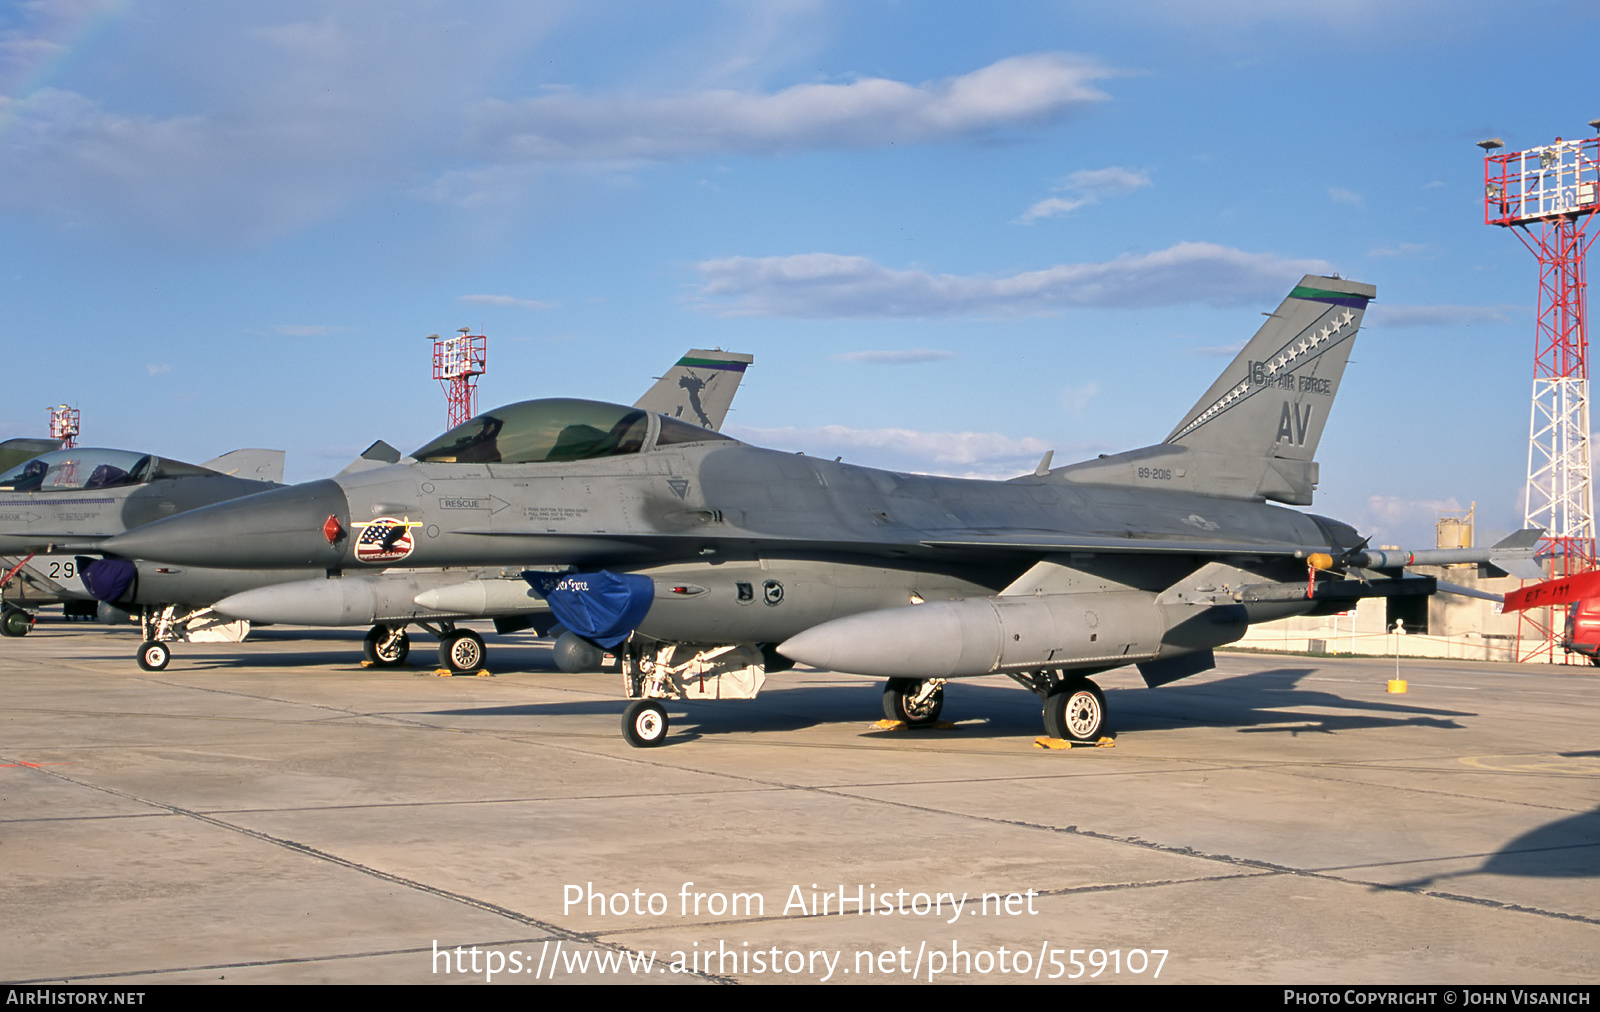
(58, 503)
(706, 564)
(209, 604)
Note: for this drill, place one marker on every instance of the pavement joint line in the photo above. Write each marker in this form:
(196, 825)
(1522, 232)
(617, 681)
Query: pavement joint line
(307, 850)
(281, 961)
(901, 910)
(1259, 864)
(1435, 792)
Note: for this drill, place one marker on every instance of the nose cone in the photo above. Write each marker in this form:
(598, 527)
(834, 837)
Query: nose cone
(285, 528)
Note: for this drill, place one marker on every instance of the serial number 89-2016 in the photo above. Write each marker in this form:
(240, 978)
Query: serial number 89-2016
(1156, 473)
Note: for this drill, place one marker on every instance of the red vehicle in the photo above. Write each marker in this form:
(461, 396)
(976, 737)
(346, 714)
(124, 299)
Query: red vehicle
(1582, 633)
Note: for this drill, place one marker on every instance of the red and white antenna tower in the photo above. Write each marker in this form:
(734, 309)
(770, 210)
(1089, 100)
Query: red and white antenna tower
(457, 364)
(1546, 196)
(64, 425)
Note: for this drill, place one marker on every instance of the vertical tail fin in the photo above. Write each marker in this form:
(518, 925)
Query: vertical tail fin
(1273, 400)
(699, 389)
(1254, 434)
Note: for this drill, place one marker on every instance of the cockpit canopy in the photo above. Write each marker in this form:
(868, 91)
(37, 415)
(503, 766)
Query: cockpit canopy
(92, 468)
(556, 429)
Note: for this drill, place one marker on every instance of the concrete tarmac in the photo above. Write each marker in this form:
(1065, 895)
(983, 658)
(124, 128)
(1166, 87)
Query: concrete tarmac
(273, 812)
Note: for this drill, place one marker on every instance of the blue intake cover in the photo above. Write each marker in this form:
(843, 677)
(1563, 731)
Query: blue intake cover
(601, 607)
(106, 579)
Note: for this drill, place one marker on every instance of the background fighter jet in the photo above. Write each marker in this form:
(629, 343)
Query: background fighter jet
(707, 563)
(177, 602)
(60, 502)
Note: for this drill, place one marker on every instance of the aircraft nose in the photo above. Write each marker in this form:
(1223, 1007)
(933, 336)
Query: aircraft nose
(286, 528)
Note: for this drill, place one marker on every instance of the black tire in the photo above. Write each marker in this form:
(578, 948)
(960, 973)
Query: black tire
(16, 623)
(897, 695)
(153, 656)
(576, 655)
(1076, 711)
(644, 723)
(462, 651)
(385, 655)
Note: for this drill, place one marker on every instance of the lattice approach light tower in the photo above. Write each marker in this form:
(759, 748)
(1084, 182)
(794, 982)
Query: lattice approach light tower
(457, 364)
(64, 425)
(1546, 196)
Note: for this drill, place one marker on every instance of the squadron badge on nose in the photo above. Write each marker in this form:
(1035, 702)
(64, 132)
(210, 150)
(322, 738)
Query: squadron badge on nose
(384, 540)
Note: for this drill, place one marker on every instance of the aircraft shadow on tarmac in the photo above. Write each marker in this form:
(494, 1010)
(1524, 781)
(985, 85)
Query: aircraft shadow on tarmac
(1566, 848)
(1265, 702)
(978, 711)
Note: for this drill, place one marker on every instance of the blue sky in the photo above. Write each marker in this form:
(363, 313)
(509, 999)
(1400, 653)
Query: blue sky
(953, 235)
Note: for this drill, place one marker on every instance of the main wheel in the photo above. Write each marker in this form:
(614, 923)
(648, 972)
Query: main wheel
(898, 702)
(383, 650)
(1076, 711)
(153, 656)
(462, 651)
(644, 723)
(16, 623)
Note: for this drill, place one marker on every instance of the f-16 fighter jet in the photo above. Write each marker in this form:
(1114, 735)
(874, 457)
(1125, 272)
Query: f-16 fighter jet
(176, 602)
(60, 502)
(706, 564)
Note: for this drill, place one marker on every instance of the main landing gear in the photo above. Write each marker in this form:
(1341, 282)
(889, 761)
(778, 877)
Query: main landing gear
(1075, 710)
(461, 651)
(913, 703)
(386, 647)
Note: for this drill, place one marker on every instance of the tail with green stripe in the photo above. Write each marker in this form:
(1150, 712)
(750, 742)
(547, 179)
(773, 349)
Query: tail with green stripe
(699, 389)
(1254, 434)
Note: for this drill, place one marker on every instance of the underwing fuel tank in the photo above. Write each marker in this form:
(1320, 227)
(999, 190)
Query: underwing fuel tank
(350, 600)
(981, 636)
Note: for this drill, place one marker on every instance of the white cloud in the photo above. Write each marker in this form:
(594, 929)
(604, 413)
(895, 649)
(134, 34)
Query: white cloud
(1408, 523)
(1050, 207)
(1381, 315)
(831, 285)
(507, 300)
(1076, 398)
(906, 356)
(156, 369)
(866, 113)
(264, 128)
(1340, 195)
(1089, 185)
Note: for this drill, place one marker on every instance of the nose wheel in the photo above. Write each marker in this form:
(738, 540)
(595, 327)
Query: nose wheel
(153, 656)
(644, 723)
(15, 622)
